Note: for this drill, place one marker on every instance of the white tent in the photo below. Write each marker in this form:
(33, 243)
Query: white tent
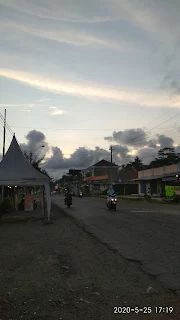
(15, 170)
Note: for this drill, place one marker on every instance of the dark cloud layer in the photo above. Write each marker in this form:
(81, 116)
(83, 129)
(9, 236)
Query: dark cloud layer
(83, 157)
(132, 137)
(35, 141)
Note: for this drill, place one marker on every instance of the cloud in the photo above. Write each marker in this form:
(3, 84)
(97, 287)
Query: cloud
(148, 154)
(35, 141)
(83, 157)
(158, 18)
(54, 111)
(91, 91)
(131, 137)
(43, 100)
(75, 12)
(164, 141)
(66, 34)
(27, 105)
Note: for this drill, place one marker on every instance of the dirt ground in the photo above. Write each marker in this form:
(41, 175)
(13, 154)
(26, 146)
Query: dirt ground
(58, 271)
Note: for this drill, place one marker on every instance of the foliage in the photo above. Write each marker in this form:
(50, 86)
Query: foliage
(165, 157)
(176, 198)
(36, 163)
(6, 205)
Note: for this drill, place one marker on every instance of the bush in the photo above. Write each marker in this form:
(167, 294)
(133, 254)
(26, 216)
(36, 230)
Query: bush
(162, 195)
(6, 206)
(176, 198)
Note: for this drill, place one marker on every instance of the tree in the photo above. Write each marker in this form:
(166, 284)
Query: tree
(165, 157)
(36, 163)
(138, 164)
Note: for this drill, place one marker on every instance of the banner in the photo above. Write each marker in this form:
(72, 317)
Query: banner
(28, 203)
(170, 190)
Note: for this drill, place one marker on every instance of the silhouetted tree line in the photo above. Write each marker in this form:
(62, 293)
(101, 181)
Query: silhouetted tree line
(165, 157)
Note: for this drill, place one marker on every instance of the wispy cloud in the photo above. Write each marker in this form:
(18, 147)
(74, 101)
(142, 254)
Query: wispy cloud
(158, 18)
(54, 111)
(43, 100)
(92, 91)
(72, 12)
(68, 35)
(16, 105)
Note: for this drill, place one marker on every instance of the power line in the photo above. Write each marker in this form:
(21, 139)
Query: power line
(7, 126)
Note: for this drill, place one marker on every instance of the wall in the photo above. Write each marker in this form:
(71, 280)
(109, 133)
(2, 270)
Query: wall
(159, 171)
(106, 171)
(171, 169)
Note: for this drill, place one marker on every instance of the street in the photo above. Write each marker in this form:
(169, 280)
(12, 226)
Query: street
(144, 233)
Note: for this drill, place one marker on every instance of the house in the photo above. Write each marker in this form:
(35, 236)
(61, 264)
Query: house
(156, 179)
(97, 178)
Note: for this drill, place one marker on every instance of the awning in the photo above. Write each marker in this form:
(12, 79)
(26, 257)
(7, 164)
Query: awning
(169, 179)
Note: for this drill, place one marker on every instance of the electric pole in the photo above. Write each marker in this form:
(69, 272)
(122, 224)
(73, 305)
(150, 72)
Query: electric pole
(4, 135)
(4, 144)
(111, 149)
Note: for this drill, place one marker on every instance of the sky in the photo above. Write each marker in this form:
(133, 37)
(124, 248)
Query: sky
(80, 75)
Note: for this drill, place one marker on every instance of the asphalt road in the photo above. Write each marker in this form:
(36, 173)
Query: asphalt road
(140, 232)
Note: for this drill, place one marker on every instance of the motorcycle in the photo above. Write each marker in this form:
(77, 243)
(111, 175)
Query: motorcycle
(80, 194)
(112, 203)
(68, 202)
(147, 196)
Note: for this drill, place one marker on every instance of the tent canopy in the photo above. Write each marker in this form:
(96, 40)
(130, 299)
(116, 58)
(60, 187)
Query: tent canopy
(16, 170)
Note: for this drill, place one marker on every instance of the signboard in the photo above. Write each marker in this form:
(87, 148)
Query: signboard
(170, 190)
(28, 203)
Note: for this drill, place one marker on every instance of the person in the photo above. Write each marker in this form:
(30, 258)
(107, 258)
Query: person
(110, 193)
(67, 194)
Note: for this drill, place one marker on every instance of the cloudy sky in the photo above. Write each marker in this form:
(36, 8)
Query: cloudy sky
(81, 75)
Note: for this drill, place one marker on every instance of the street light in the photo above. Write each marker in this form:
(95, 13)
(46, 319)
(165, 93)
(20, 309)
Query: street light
(38, 149)
(32, 154)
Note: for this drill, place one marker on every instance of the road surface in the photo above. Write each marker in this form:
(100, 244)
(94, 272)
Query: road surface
(143, 233)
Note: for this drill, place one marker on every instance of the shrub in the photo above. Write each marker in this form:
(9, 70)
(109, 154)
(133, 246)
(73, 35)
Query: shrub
(162, 195)
(5, 206)
(176, 198)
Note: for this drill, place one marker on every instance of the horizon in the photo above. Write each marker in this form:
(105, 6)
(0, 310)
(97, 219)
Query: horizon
(79, 78)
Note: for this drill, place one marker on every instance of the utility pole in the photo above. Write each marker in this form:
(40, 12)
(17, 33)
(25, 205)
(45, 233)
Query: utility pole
(4, 135)
(111, 149)
(4, 144)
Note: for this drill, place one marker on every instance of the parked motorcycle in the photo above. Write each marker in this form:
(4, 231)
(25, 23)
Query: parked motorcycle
(112, 203)
(80, 194)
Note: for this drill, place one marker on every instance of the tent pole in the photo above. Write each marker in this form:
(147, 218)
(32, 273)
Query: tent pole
(42, 200)
(4, 143)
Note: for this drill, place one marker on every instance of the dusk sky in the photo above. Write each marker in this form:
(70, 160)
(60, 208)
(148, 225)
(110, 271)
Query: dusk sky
(78, 70)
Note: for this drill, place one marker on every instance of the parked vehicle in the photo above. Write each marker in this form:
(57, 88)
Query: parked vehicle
(112, 203)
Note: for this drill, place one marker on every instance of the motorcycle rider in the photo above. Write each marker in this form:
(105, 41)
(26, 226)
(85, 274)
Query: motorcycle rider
(110, 193)
(67, 195)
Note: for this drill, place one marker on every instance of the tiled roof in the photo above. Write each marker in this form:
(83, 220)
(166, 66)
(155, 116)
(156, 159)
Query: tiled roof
(104, 163)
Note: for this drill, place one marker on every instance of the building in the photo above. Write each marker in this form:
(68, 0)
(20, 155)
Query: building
(97, 178)
(156, 179)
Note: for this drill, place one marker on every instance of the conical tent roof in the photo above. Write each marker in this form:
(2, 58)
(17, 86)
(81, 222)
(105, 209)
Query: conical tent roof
(15, 168)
